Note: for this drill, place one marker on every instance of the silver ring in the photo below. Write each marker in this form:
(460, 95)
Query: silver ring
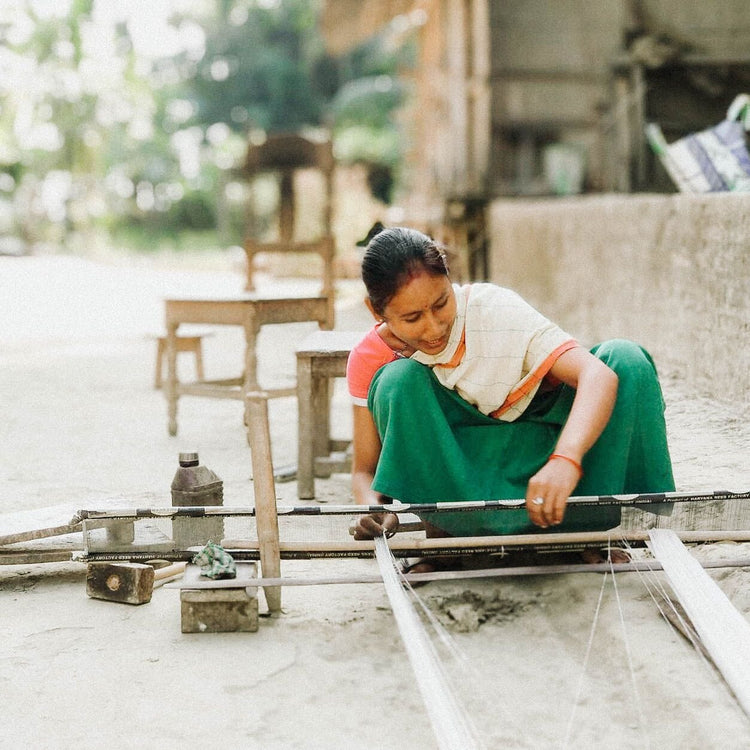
(538, 501)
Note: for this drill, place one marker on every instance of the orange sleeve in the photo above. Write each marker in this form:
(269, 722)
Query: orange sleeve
(364, 361)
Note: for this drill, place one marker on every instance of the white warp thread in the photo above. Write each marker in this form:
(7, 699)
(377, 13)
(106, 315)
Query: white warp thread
(722, 628)
(450, 723)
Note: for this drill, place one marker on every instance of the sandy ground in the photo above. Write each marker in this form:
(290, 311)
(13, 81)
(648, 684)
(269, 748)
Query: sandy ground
(81, 425)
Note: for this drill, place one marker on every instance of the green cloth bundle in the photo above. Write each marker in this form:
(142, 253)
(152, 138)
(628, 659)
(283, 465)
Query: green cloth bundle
(215, 562)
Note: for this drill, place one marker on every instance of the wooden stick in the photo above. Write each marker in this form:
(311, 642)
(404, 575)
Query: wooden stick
(249, 549)
(30, 536)
(169, 573)
(459, 545)
(645, 499)
(722, 628)
(459, 575)
(404, 527)
(31, 557)
(259, 437)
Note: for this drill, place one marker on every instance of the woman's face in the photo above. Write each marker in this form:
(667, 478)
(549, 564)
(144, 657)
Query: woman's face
(421, 313)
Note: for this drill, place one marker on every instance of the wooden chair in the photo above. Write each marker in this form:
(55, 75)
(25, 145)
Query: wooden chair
(284, 156)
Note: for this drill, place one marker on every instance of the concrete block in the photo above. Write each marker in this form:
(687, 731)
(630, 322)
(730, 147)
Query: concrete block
(219, 610)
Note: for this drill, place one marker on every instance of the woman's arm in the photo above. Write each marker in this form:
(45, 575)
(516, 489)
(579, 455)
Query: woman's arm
(366, 447)
(596, 391)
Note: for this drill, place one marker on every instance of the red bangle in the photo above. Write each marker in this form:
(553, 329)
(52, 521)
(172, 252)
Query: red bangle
(569, 460)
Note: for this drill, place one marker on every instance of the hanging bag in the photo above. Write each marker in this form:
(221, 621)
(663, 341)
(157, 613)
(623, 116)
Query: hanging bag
(713, 160)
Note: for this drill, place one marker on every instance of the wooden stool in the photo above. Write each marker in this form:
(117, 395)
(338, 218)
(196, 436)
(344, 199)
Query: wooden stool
(186, 342)
(320, 357)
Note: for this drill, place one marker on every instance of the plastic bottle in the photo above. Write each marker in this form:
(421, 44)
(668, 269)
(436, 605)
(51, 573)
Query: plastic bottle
(196, 485)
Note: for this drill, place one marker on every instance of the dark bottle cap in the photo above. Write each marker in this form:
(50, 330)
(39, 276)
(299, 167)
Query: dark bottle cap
(188, 459)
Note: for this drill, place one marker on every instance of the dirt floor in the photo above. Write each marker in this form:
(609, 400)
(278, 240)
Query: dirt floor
(82, 426)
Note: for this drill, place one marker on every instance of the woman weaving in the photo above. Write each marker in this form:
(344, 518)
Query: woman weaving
(468, 393)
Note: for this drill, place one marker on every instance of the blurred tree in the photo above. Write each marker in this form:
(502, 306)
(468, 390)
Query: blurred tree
(257, 70)
(75, 108)
(266, 69)
(131, 116)
(364, 107)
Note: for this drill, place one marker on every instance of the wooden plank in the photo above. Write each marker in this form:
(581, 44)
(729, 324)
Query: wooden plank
(236, 310)
(32, 557)
(722, 628)
(208, 389)
(267, 524)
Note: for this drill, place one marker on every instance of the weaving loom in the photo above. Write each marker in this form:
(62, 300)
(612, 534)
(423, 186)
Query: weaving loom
(276, 536)
(271, 533)
(307, 532)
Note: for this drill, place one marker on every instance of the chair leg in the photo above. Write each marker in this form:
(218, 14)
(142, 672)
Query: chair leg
(160, 354)
(199, 359)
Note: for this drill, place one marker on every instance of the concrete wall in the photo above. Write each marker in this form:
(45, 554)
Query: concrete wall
(669, 271)
(561, 74)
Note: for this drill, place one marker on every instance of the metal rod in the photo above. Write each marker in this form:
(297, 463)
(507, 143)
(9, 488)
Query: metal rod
(649, 498)
(249, 549)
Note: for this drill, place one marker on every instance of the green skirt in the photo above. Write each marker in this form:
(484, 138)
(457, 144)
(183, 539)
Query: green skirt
(436, 447)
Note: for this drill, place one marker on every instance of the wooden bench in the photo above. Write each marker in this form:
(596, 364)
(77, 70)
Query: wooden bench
(321, 357)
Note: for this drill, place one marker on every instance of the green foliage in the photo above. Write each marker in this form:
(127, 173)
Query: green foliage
(363, 109)
(115, 134)
(156, 238)
(195, 210)
(257, 69)
(368, 101)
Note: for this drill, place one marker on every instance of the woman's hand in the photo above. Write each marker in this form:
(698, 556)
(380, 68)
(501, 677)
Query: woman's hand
(553, 484)
(596, 392)
(364, 463)
(376, 524)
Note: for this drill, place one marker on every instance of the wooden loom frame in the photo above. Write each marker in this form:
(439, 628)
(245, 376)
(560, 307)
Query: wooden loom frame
(270, 550)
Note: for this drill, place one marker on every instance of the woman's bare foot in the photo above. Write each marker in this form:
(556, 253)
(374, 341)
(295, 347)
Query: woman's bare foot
(595, 556)
(431, 564)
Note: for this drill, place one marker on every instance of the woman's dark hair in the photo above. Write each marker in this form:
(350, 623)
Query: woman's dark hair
(393, 256)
